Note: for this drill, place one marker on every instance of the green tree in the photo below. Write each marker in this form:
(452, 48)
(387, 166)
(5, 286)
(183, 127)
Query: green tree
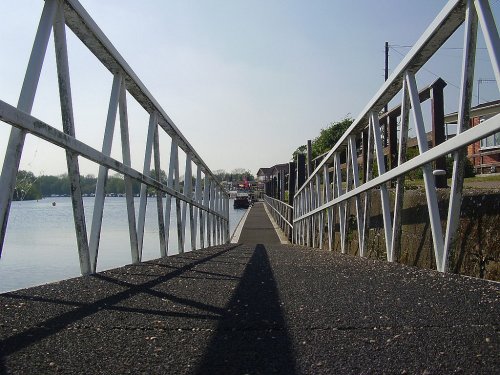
(88, 183)
(329, 136)
(26, 188)
(326, 139)
(300, 150)
(115, 184)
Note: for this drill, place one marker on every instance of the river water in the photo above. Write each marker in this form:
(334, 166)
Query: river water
(40, 245)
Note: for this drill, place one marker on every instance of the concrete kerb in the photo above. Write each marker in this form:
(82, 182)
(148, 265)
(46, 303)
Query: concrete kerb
(237, 232)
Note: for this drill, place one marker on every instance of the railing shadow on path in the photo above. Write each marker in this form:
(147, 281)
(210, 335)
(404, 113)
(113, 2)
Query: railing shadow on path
(59, 322)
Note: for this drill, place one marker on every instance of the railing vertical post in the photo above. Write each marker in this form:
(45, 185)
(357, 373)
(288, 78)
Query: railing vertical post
(213, 201)
(178, 206)
(143, 200)
(197, 211)
(320, 219)
(400, 182)
(368, 169)
(204, 228)
(95, 231)
(209, 215)
(134, 249)
(159, 195)
(188, 192)
(69, 128)
(468, 63)
(348, 184)
(170, 183)
(384, 194)
(430, 186)
(355, 177)
(342, 206)
(329, 210)
(217, 219)
(25, 104)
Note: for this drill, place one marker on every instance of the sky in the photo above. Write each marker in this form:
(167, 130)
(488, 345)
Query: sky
(246, 82)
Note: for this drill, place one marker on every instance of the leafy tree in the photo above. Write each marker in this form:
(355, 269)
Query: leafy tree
(88, 183)
(326, 139)
(26, 188)
(300, 150)
(115, 184)
(329, 136)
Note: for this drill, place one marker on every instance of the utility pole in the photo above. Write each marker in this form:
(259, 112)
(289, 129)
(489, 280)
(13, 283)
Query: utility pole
(386, 69)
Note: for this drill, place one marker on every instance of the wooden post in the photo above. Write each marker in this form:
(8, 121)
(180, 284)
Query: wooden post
(279, 177)
(301, 170)
(291, 194)
(438, 136)
(364, 153)
(393, 141)
(291, 182)
(309, 158)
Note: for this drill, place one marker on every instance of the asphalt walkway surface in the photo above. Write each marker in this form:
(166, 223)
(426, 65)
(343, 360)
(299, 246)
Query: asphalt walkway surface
(258, 228)
(254, 308)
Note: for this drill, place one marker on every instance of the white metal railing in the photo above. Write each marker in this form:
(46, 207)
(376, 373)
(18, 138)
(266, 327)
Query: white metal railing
(207, 202)
(281, 212)
(320, 195)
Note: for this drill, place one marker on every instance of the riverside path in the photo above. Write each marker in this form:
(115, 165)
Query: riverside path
(255, 307)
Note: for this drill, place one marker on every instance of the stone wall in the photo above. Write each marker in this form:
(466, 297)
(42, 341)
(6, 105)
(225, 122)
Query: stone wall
(476, 251)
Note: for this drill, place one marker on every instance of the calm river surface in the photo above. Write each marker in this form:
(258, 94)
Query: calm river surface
(40, 245)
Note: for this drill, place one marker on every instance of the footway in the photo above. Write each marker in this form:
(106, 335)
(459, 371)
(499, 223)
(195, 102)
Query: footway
(254, 308)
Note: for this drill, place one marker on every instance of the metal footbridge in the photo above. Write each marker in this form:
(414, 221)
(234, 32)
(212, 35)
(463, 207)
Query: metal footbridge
(257, 306)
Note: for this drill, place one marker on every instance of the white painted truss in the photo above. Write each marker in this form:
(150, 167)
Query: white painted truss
(206, 201)
(321, 194)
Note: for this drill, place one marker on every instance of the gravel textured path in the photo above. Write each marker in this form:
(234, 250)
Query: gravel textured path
(254, 308)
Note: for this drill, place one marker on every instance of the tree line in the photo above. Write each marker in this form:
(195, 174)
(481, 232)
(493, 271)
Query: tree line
(330, 135)
(237, 174)
(30, 187)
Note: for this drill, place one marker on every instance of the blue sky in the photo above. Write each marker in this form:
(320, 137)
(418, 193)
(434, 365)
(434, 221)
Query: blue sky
(245, 82)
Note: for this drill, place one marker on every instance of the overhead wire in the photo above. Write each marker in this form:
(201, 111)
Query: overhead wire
(392, 47)
(427, 70)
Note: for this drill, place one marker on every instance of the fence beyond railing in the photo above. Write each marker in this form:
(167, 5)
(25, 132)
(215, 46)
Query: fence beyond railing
(328, 188)
(205, 203)
(282, 214)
